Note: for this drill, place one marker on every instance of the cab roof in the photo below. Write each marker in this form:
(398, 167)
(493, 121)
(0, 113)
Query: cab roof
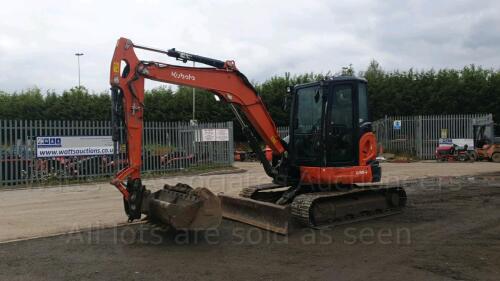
(332, 80)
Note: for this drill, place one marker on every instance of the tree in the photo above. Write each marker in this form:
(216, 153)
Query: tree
(471, 89)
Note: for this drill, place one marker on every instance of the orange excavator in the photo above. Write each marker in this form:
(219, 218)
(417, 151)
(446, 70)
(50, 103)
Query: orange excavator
(320, 173)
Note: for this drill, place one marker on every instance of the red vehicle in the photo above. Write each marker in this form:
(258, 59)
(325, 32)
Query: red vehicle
(453, 153)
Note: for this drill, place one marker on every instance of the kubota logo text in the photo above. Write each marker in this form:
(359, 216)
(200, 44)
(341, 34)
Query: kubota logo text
(182, 76)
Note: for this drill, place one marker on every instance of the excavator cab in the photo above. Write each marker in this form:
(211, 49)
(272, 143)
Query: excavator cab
(328, 119)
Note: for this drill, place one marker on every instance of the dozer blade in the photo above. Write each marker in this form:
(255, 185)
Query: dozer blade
(184, 208)
(261, 214)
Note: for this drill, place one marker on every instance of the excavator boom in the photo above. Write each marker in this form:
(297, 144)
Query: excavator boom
(127, 75)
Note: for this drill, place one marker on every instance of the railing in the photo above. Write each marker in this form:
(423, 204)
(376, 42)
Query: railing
(419, 135)
(283, 131)
(167, 147)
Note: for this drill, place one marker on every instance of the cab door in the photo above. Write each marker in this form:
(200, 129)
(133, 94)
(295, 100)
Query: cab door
(306, 126)
(340, 125)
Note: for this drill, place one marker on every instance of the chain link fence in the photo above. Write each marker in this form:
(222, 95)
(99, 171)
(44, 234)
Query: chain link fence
(167, 147)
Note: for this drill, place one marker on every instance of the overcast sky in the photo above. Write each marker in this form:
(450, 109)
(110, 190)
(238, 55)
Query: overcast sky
(38, 39)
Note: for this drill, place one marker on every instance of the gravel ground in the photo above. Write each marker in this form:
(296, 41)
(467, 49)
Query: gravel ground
(447, 232)
(36, 212)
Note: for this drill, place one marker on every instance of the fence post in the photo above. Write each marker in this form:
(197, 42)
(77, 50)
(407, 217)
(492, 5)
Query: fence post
(386, 133)
(418, 137)
(230, 150)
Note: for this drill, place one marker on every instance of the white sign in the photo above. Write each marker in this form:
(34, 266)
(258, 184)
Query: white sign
(221, 135)
(73, 146)
(208, 135)
(457, 142)
(397, 125)
(215, 135)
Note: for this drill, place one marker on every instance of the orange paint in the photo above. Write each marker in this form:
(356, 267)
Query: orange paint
(335, 175)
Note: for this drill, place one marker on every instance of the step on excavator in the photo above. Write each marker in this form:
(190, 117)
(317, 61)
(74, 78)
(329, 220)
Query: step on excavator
(323, 173)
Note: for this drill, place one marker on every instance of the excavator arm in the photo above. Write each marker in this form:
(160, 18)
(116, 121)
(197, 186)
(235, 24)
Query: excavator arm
(127, 75)
(224, 79)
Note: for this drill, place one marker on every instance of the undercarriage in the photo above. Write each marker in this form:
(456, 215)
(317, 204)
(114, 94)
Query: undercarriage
(256, 206)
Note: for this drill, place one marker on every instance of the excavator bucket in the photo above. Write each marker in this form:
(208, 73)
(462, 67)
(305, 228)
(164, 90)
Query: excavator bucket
(184, 208)
(261, 214)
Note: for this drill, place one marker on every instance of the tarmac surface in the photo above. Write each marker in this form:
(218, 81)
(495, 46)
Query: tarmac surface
(450, 230)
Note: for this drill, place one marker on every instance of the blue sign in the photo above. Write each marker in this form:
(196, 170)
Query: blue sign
(49, 142)
(445, 141)
(397, 125)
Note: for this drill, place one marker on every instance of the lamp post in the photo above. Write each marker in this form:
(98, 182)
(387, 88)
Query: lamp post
(78, 55)
(194, 101)
(193, 121)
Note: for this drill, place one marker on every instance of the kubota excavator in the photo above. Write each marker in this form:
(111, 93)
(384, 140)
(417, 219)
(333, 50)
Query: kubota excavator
(316, 171)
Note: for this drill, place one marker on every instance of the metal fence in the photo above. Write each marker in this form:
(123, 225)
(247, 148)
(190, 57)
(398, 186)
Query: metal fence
(283, 131)
(167, 146)
(419, 135)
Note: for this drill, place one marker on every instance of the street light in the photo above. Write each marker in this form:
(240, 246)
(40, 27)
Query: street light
(78, 55)
(193, 121)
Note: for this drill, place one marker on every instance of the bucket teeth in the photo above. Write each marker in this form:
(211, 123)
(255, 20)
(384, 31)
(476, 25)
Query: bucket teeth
(157, 225)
